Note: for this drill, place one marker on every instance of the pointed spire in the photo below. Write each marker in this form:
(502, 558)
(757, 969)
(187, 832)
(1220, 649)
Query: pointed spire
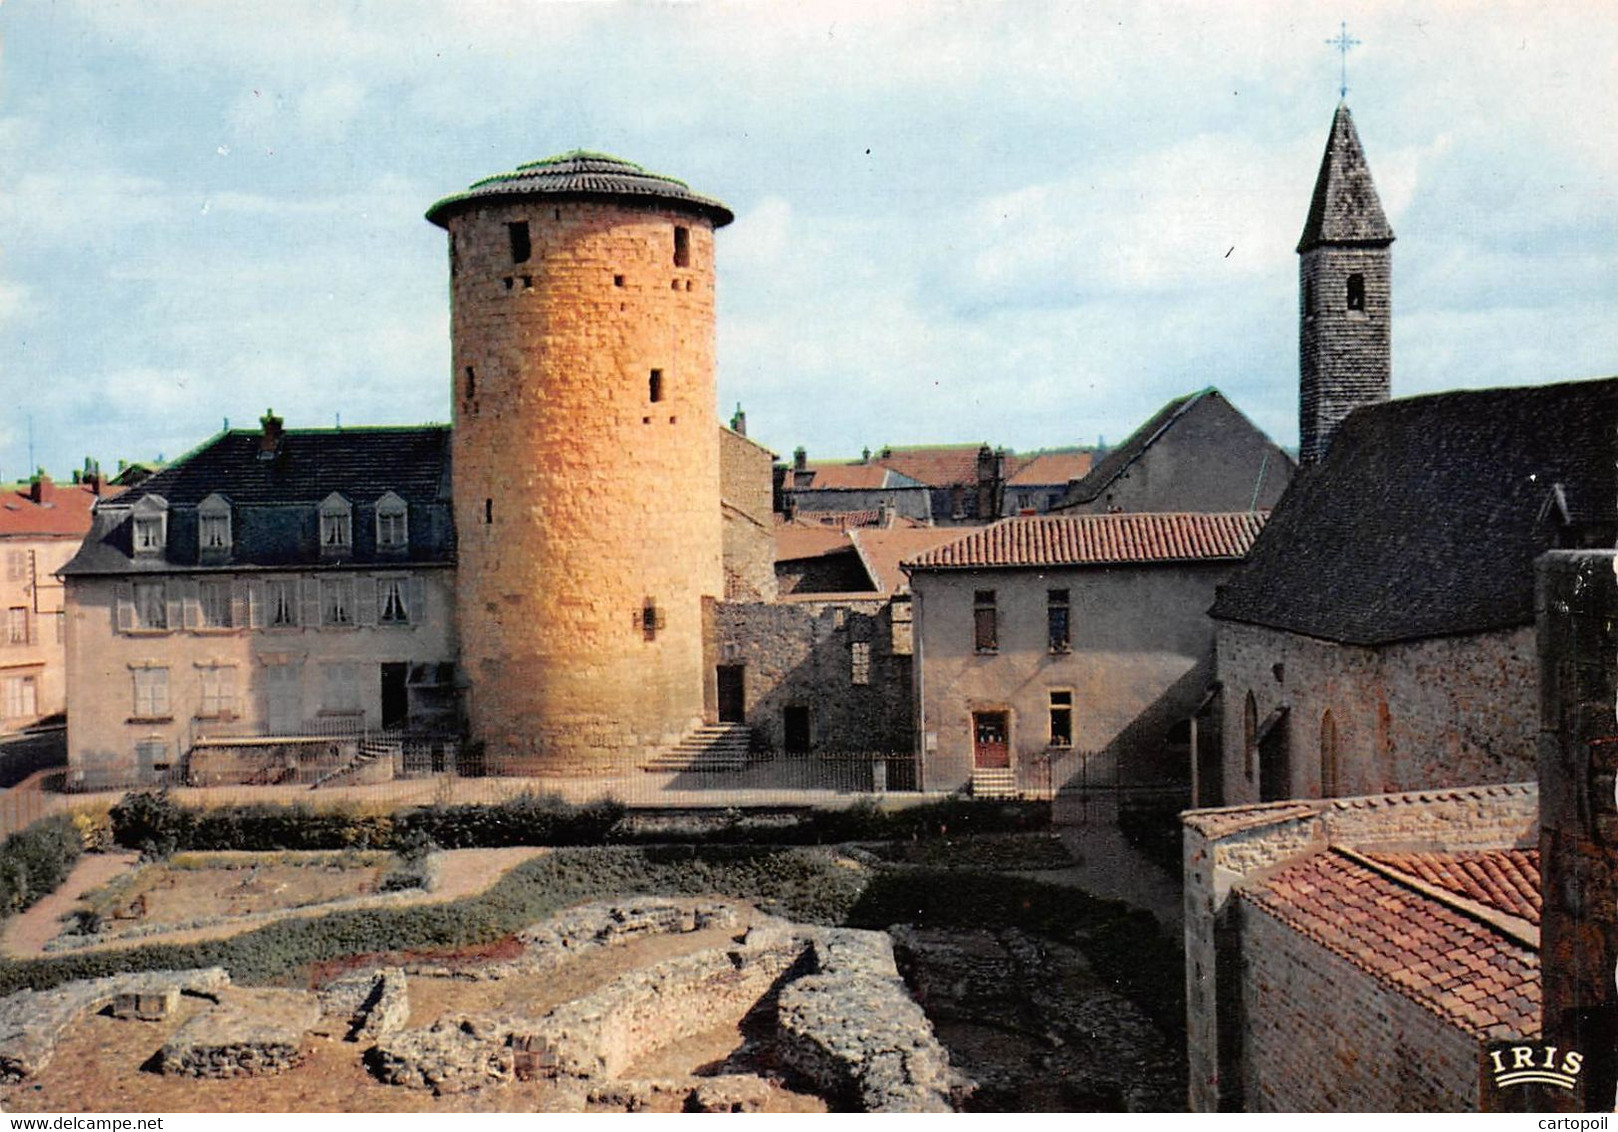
(1345, 208)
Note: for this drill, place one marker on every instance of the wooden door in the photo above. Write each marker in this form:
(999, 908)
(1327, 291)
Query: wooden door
(990, 749)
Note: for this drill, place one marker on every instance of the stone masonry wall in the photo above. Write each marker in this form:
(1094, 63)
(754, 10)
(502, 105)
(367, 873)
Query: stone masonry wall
(584, 495)
(1323, 1036)
(1577, 599)
(1345, 356)
(1412, 716)
(801, 653)
(745, 486)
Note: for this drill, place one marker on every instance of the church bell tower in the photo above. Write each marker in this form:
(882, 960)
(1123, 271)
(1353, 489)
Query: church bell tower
(1345, 294)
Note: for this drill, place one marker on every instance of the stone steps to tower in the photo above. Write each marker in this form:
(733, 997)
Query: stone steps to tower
(721, 746)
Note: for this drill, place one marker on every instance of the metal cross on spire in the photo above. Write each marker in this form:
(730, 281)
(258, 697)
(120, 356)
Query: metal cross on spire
(1343, 41)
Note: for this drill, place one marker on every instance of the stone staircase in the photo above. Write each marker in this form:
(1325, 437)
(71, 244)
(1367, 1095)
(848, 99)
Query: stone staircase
(716, 746)
(997, 782)
(370, 750)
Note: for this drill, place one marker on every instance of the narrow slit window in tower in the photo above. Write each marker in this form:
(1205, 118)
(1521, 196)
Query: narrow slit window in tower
(521, 248)
(1356, 292)
(648, 620)
(654, 386)
(488, 511)
(682, 246)
(471, 383)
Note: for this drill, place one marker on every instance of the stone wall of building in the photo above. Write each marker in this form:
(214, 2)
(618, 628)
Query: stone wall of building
(745, 471)
(802, 655)
(1407, 716)
(32, 631)
(1323, 1036)
(245, 680)
(586, 452)
(1578, 766)
(1136, 667)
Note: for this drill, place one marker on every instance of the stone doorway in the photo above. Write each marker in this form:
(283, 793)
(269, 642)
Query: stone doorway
(732, 680)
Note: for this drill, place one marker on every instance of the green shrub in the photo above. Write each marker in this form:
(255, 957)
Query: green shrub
(36, 860)
(151, 822)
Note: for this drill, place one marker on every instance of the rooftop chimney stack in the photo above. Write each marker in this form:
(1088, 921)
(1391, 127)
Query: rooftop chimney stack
(800, 458)
(38, 487)
(269, 444)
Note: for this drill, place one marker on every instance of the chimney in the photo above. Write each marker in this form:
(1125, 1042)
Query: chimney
(269, 445)
(800, 458)
(889, 514)
(738, 421)
(38, 487)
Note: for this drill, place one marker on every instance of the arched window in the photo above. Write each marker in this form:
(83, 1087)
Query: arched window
(1329, 786)
(1249, 735)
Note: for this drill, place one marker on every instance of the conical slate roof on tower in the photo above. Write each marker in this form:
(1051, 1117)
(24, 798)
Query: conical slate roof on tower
(1345, 208)
(583, 174)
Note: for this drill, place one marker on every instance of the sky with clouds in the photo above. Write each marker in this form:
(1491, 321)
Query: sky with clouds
(1023, 223)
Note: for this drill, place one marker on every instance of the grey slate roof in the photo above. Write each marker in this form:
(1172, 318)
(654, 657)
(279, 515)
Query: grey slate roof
(1427, 513)
(1345, 208)
(1117, 460)
(581, 174)
(275, 502)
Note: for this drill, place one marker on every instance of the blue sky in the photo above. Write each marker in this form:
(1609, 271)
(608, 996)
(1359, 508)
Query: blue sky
(1025, 223)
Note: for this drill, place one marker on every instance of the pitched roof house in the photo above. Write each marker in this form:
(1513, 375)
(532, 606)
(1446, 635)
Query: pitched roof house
(1196, 453)
(1069, 652)
(294, 584)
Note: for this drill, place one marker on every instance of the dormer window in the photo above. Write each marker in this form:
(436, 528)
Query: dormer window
(213, 525)
(392, 523)
(151, 525)
(336, 525)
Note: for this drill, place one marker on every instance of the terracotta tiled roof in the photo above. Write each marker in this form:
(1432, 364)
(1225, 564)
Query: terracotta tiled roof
(840, 520)
(1468, 972)
(942, 465)
(1051, 468)
(1096, 540)
(1507, 879)
(63, 509)
(793, 540)
(883, 550)
(849, 476)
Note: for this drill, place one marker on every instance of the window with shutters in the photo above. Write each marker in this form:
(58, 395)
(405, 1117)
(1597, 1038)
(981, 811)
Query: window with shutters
(151, 693)
(17, 625)
(985, 622)
(281, 603)
(16, 565)
(151, 608)
(337, 601)
(21, 698)
(213, 600)
(217, 683)
(340, 687)
(393, 601)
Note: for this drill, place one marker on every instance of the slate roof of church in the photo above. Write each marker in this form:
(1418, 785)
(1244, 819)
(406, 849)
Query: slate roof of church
(581, 174)
(275, 502)
(1426, 515)
(1135, 538)
(1473, 973)
(1345, 208)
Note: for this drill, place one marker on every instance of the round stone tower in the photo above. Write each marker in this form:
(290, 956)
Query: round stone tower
(586, 457)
